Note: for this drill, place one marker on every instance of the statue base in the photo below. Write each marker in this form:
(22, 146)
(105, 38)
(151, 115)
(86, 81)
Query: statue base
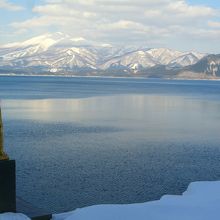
(7, 186)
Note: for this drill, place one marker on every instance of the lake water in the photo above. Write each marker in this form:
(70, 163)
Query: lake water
(85, 141)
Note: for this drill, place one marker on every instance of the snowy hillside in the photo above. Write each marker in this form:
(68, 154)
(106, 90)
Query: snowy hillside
(206, 68)
(59, 52)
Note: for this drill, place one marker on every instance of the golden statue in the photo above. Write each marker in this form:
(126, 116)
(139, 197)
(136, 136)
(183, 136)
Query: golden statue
(3, 155)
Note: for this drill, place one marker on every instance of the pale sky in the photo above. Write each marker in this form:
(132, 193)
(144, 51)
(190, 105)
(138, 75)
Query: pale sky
(176, 24)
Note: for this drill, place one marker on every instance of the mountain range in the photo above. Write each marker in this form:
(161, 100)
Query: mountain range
(61, 54)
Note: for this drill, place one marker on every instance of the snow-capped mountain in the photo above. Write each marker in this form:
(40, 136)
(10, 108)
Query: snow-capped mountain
(209, 65)
(62, 53)
(147, 58)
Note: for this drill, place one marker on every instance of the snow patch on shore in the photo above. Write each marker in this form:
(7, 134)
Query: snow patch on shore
(201, 201)
(13, 216)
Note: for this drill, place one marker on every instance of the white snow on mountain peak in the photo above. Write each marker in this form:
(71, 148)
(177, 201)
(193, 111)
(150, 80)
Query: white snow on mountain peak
(45, 40)
(59, 50)
(78, 39)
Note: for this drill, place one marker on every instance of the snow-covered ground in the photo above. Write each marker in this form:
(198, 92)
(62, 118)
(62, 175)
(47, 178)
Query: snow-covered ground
(201, 201)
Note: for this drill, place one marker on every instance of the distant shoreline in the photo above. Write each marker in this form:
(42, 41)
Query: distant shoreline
(104, 77)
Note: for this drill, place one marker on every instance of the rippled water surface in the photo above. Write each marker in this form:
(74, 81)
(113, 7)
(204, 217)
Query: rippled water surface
(85, 141)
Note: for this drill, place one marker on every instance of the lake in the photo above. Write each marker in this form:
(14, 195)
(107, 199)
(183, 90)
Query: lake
(85, 141)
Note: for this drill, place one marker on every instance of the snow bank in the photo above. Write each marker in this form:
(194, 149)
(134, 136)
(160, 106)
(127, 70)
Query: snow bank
(13, 216)
(201, 201)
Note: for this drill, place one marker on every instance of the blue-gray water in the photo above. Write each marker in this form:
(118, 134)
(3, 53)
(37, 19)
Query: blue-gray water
(85, 141)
